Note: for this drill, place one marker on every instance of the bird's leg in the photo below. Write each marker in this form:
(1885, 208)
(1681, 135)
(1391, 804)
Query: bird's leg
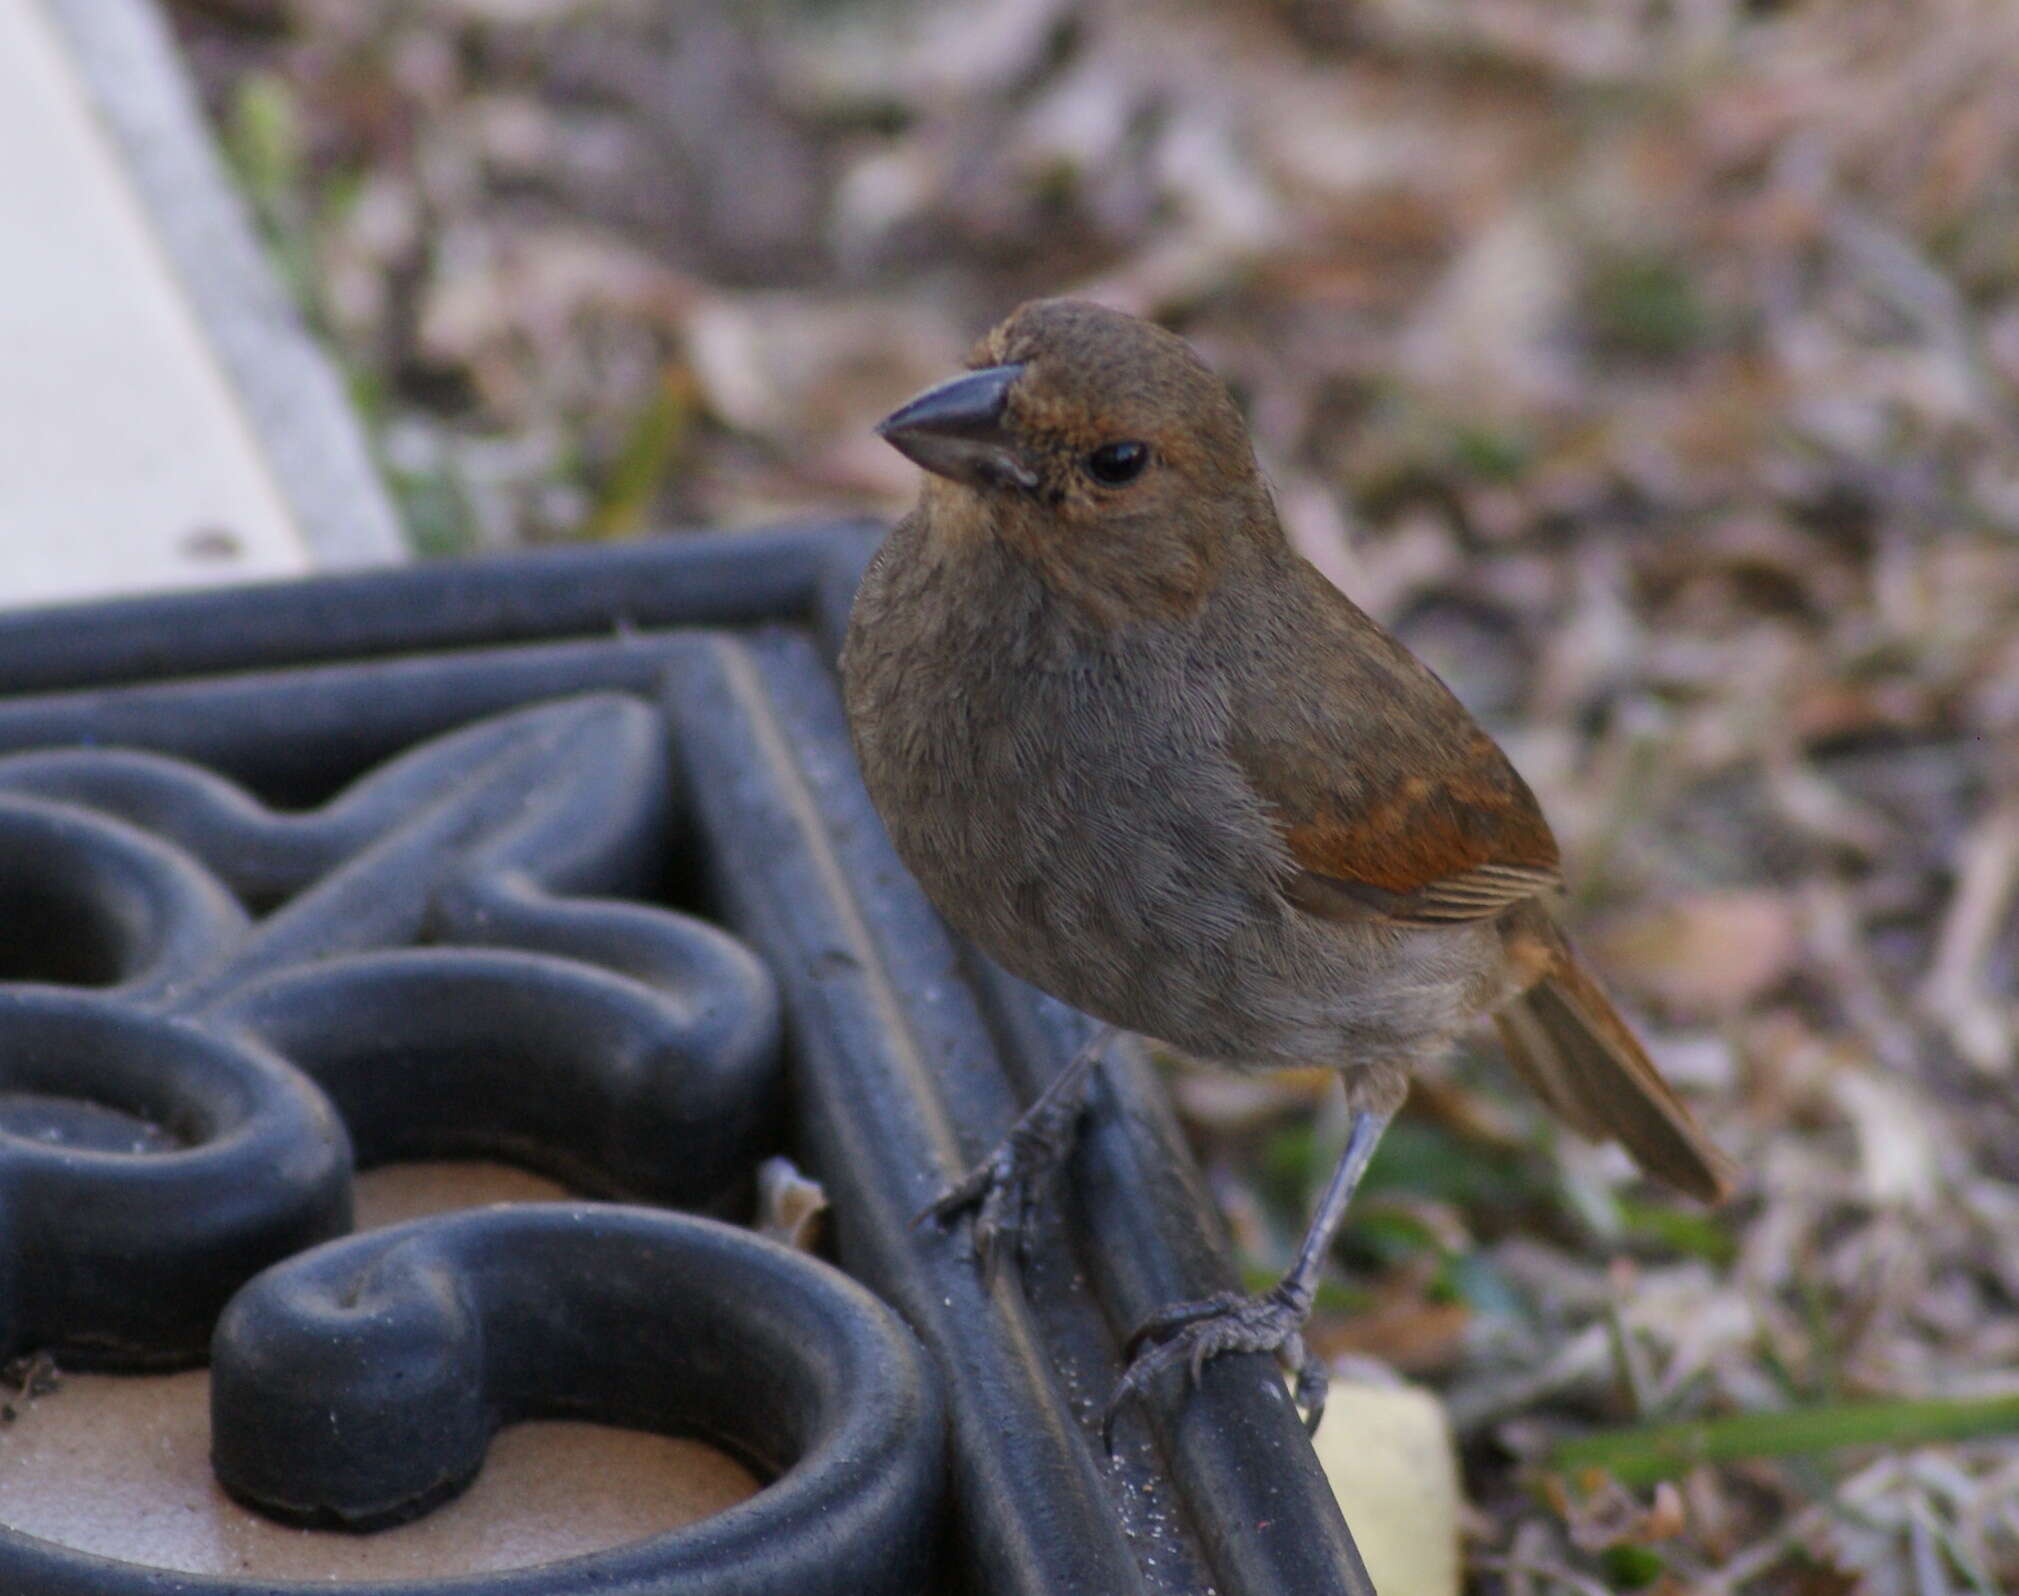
(1002, 1188)
(1192, 1332)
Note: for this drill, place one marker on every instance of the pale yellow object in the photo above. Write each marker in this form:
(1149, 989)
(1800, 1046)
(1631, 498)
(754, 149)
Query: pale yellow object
(1388, 1452)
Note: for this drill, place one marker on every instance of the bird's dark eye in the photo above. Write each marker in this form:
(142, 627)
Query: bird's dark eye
(1112, 464)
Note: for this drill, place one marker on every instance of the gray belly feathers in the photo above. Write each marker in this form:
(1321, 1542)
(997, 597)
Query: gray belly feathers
(1194, 951)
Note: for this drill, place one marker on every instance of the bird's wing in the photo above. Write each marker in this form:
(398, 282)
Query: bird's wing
(1393, 802)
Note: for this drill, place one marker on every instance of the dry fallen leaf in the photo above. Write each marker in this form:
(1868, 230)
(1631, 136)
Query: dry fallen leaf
(1707, 953)
(1898, 1147)
(789, 1204)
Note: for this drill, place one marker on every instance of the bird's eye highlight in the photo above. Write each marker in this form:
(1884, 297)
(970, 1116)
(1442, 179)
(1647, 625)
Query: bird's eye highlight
(1112, 464)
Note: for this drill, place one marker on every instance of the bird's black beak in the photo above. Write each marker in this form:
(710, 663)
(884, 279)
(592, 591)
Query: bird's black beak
(957, 430)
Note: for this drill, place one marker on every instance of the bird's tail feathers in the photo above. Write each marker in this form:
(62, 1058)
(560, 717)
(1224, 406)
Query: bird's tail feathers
(1569, 1043)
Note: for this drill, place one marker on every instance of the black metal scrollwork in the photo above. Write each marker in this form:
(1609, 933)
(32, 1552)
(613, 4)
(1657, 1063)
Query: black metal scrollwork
(630, 1050)
(215, 1009)
(360, 1383)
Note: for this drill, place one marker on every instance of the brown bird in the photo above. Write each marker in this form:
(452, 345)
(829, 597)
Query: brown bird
(1147, 758)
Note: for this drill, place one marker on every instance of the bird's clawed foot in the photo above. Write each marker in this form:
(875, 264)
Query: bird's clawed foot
(1189, 1333)
(1002, 1189)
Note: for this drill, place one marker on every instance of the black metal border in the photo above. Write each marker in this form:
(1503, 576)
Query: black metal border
(913, 1053)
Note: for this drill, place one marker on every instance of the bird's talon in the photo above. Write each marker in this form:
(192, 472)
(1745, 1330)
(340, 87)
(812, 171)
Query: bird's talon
(1312, 1400)
(997, 1189)
(1003, 1187)
(1132, 1382)
(1193, 1333)
(1175, 1316)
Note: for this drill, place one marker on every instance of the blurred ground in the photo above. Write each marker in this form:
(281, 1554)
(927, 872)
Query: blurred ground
(1650, 367)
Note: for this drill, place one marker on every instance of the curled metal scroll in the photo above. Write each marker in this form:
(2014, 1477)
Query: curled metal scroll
(433, 975)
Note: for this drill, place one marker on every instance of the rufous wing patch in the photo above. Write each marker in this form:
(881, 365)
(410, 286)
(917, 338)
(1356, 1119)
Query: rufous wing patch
(1463, 847)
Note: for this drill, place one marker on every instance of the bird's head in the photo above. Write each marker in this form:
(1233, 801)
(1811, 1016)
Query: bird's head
(1097, 445)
